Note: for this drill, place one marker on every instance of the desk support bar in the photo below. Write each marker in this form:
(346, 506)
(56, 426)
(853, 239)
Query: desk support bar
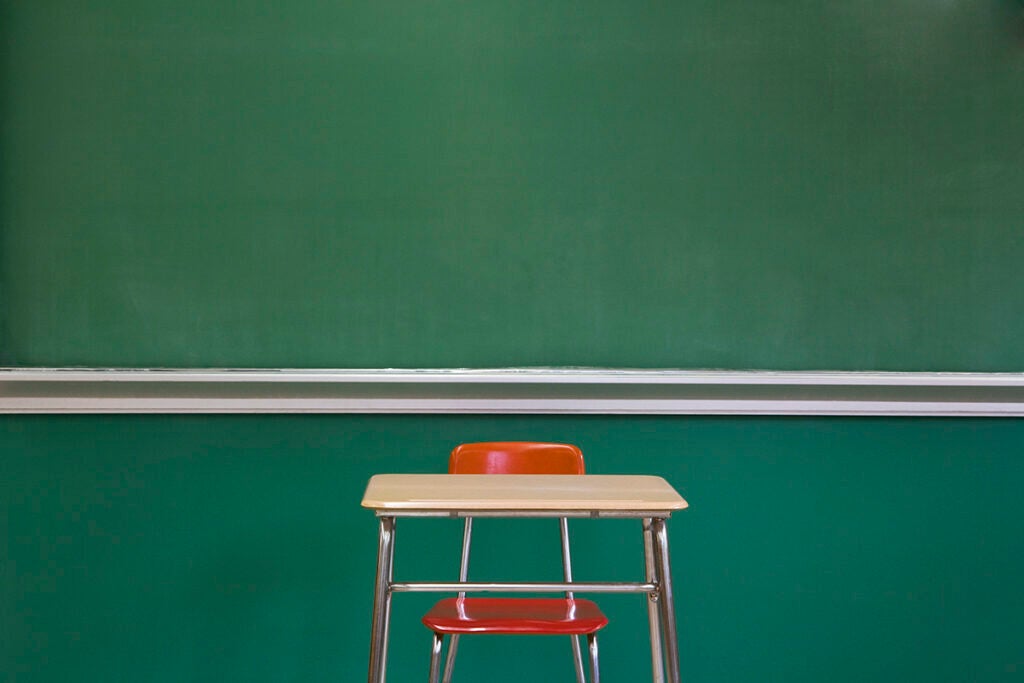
(527, 514)
(653, 608)
(666, 603)
(382, 601)
(470, 587)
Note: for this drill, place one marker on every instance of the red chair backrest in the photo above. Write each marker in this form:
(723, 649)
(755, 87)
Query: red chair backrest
(515, 457)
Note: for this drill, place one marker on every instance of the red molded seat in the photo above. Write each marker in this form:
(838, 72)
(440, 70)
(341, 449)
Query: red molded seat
(524, 616)
(516, 457)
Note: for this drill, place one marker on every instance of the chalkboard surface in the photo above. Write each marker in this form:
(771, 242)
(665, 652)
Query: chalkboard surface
(783, 185)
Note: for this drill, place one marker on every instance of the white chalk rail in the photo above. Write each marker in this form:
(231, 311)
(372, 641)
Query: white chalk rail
(512, 390)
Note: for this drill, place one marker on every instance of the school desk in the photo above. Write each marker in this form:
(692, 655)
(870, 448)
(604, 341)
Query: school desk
(648, 498)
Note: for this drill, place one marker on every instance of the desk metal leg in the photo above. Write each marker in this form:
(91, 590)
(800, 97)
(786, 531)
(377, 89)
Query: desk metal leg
(665, 597)
(382, 601)
(653, 616)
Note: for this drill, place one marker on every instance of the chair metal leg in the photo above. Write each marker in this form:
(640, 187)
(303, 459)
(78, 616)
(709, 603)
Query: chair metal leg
(577, 659)
(453, 641)
(577, 654)
(435, 657)
(449, 660)
(595, 670)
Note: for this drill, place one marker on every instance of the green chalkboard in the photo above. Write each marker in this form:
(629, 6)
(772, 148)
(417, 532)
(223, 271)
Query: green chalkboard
(782, 185)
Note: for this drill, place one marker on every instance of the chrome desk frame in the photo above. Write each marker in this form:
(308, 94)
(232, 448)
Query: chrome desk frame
(657, 584)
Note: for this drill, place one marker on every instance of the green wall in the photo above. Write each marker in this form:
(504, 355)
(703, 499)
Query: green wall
(214, 548)
(784, 185)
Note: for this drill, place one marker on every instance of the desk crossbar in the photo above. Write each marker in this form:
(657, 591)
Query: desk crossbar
(476, 587)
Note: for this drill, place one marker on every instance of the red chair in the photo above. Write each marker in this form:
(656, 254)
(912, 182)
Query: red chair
(504, 615)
